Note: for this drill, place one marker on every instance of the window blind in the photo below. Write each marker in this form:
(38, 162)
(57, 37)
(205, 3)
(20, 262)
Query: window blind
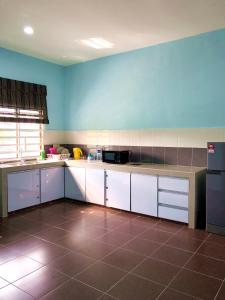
(23, 102)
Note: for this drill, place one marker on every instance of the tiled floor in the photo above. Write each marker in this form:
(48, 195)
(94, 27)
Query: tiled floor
(67, 250)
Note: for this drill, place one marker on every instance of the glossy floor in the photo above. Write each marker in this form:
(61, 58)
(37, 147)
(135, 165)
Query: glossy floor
(67, 250)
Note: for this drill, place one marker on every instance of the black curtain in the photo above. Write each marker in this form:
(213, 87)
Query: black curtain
(23, 102)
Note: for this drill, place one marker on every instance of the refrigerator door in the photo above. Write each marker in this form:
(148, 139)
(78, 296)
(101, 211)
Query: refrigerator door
(216, 156)
(215, 198)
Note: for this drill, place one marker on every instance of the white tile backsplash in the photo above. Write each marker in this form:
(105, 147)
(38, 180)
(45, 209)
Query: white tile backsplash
(181, 137)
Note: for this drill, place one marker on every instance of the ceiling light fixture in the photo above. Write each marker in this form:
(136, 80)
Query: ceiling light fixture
(28, 30)
(97, 43)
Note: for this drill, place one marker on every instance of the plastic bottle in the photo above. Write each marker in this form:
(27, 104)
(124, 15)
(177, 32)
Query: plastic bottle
(43, 154)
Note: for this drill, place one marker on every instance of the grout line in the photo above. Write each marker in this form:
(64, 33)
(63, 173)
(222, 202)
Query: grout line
(135, 267)
(181, 269)
(220, 288)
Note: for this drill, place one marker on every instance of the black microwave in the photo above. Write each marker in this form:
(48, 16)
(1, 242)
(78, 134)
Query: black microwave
(115, 157)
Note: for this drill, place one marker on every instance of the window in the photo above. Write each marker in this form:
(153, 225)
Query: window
(20, 139)
(23, 110)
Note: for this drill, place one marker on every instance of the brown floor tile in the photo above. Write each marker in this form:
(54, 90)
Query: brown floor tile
(30, 227)
(47, 253)
(207, 265)
(123, 259)
(9, 235)
(3, 283)
(10, 292)
(172, 255)
(221, 294)
(101, 276)
(169, 226)
(72, 290)
(131, 228)
(115, 238)
(143, 247)
(106, 297)
(133, 288)
(146, 221)
(7, 254)
(170, 294)
(27, 245)
(157, 271)
(17, 268)
(111, 223)
(97, 250)
(156, 235)
(184, 243)
(40, 282)
(52, 234)
(218, 239)
(71, 263)
(193, 233)
(73, 241)
(213, 250)
(196, 284)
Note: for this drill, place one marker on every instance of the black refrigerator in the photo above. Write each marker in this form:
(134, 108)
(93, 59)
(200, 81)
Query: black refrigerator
(215, 188)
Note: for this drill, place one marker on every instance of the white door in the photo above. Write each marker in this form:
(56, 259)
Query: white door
(118, 190)
(52, 184)
(95, 186)
(144, 194)
(75, 183)
(23, 189)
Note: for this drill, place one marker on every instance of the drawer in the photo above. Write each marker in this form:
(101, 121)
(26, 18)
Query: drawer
(173, 184)
(174, 214)
(175, 199)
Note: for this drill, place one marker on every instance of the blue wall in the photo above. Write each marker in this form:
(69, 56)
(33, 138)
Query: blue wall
(172, 85)
(21, 67)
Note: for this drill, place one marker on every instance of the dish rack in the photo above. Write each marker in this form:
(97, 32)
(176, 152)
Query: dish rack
(63, 156)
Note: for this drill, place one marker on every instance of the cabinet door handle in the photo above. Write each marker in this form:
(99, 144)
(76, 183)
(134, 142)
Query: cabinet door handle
(38, 197)
(106, 199)
(106, 187)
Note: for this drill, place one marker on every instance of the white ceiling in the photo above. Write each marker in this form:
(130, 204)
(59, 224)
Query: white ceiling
(59, 25)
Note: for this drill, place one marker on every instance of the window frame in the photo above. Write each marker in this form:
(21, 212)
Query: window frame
(17, 141)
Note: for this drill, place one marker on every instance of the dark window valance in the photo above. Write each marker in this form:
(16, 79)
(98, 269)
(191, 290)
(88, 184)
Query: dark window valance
(23, 102)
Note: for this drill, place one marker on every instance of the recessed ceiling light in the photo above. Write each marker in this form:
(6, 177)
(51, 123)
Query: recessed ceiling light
(28, 30)
(97, 43)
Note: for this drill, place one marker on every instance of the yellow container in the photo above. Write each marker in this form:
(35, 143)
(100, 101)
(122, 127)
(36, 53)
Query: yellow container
(77, 153)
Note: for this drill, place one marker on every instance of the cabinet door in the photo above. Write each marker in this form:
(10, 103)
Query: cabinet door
(52, 184)
(23, 189)
(75, 183)
(118, 190)
(95, 186)
(144, 194)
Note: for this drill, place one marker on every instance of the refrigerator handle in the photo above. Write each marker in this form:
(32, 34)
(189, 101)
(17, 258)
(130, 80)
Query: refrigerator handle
(216, 172)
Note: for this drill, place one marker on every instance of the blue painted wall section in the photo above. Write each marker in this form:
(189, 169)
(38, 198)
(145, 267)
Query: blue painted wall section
(179, 84)
(21, 67)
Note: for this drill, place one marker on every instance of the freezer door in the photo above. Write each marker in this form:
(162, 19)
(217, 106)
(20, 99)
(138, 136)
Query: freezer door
(216, 156)
(215, 198)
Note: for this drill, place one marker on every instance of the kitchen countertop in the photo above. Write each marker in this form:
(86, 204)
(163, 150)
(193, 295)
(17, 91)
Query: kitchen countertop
(195, 175)
(145, 168)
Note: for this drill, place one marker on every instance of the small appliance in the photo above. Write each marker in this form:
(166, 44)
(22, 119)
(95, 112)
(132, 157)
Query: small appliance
(115, 157)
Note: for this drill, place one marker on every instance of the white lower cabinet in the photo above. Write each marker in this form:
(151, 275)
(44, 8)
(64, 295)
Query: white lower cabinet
(23, 189)
(118, 189)
(95, 186)
(172, 213)
(75, 183)
(52, 184)
(144, 194)
(173, 198)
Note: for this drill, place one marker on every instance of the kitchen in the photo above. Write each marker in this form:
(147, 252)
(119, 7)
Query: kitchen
(120, 81)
